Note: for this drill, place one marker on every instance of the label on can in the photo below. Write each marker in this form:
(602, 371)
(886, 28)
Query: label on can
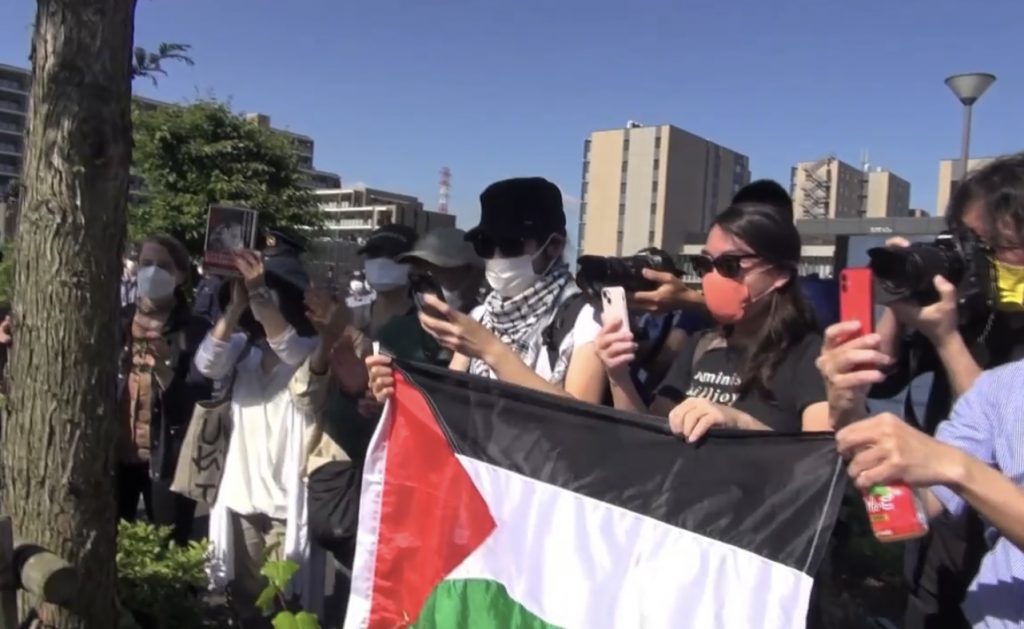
(895, 512)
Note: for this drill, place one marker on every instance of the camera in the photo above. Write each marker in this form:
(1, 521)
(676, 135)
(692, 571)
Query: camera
(596, 272)
(958, 255)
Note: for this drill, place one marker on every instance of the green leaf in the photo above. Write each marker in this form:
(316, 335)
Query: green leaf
(302, 620)
(279, 573)
(265, 601)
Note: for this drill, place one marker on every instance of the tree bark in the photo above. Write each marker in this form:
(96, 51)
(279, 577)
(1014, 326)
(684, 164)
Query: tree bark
(58, 440)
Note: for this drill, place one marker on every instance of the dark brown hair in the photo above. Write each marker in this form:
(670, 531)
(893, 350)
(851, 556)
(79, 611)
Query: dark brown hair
(174, 248)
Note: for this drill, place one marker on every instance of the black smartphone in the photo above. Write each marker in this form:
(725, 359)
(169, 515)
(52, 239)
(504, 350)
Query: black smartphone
(423, 284)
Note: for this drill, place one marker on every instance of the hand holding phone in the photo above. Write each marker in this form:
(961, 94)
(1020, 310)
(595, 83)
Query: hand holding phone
(422, 285)
(613, 302)
(857, 298)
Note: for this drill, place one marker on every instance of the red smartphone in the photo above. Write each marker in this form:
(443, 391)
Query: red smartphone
(857, 298)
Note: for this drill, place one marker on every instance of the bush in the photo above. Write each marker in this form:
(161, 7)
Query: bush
(158, 581)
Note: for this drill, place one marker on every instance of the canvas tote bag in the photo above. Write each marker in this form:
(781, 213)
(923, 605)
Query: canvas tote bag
(205, 447)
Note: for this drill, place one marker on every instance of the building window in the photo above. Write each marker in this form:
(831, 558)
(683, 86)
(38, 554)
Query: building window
(586, 168)
(582, 233)
(622, 188)
(583, 190)
(583, 210)
(622, 210)
(650, 238)
(625, 166)
(654, 186)
(657, 165)
(625, 146)
(618, 243)
(586, 149)
(657, 141)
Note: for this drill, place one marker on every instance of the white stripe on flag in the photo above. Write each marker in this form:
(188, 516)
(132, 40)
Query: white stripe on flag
(580, 563)
(360, 596)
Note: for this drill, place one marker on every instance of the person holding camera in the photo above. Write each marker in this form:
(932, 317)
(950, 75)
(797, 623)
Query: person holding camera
(756, 369)
(973, 462)
(535, 329)
(967, 316)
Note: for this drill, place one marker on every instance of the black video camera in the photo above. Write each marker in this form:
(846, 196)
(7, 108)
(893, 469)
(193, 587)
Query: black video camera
(957, 255)
(596, 272)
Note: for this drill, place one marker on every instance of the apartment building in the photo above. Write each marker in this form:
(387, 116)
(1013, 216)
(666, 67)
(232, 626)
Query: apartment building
(827, 188)
(304, 152)
(15, 84)
(831, 188)
(888, 195)
(350, 214)
(14, 95)
(949, 177)
(654, 186)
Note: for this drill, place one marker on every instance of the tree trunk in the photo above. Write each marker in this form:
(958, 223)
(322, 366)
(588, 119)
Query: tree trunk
(58, 440)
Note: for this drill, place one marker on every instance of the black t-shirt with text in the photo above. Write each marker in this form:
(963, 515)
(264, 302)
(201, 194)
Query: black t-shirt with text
(795, 385)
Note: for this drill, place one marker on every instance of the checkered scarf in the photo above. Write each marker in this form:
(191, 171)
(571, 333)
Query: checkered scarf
(518, 321)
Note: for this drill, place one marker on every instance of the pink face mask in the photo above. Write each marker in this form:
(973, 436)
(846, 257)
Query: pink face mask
(726, 299)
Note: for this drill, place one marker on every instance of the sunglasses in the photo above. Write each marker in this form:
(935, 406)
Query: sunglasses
(487, 247)
(729, 265)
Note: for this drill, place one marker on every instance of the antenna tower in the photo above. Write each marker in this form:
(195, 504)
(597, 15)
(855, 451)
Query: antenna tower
(446, 185)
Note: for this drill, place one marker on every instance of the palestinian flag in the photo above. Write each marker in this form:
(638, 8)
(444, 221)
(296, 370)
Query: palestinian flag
(488, 506)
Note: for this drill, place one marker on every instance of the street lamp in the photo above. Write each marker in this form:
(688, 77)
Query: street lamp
(968, 88)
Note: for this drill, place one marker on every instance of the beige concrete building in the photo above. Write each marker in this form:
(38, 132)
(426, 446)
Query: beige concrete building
(949, 170)
(350, 214)
(827, 188)
(654, 186)
(888, 195)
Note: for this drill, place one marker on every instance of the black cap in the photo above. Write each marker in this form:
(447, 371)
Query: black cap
(285, 270)
(389, 241)
(285, 240)
(525, 207)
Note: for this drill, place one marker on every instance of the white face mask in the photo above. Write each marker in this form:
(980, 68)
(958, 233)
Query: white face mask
(511, 276)
(155, 284)
(383, 274)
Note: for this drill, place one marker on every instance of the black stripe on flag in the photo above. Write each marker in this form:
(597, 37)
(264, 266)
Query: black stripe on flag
(773, 494)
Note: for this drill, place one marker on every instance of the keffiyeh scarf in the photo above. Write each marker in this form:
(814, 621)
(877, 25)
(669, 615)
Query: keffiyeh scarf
(519, 321)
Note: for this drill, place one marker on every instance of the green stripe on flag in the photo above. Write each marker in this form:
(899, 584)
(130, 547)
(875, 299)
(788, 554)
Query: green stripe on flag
(475, 604)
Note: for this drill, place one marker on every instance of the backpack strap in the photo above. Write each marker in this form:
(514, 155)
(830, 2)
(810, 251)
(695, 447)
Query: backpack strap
(561, 324)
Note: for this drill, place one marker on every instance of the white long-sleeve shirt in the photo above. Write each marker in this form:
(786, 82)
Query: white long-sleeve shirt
(266, 407)
(274, 424)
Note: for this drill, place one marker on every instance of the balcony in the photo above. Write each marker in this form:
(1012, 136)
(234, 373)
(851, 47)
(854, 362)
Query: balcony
(349, 223)
(11, 106)
(13, 86)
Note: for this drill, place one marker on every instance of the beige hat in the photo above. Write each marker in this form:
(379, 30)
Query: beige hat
(444, 247)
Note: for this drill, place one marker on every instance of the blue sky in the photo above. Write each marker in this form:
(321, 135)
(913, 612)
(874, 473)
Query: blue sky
(392, 91)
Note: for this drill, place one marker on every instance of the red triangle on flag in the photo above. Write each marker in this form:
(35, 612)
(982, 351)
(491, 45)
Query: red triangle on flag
(432, 516)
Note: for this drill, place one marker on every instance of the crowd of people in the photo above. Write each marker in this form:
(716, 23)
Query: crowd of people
(305, 376)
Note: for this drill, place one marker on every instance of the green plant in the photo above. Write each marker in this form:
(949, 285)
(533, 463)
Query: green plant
(279, 574)
(159, 581)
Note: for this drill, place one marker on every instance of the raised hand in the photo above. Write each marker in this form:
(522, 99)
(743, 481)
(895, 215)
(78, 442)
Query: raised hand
(250, 265)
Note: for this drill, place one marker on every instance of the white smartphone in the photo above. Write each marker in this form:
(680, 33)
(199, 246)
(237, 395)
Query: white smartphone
(613, 301)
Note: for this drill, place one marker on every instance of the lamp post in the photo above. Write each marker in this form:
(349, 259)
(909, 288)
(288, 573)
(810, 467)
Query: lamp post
(968, 88)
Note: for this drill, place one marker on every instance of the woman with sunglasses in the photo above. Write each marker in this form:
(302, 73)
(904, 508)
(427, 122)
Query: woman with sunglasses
(533, 329)
(756, 369)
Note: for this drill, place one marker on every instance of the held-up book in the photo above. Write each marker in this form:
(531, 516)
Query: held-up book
(228, 230)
